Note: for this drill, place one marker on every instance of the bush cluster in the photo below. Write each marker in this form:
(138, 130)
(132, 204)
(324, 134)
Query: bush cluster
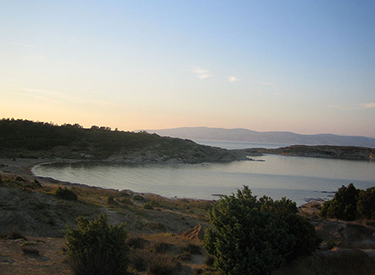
(350, 204)
(96, 247)
(251, 236)
(65, 194)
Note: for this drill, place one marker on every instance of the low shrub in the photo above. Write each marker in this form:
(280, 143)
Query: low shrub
(65, 194)
(138, 198)
(160, 247)
(30, 250)
(137, 242)
(138, 261)
(160, 264)
(125, 200)
(12, 235)
(110, 200)
(98, 264)
(148, 206)
(96, 247)
(192, 249)
(156, 226)
(251, 236)
(184, 256)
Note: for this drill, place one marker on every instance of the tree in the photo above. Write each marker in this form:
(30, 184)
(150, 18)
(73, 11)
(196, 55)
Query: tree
(366, 203)
(343, 206)
(96, 247)
(250, 236)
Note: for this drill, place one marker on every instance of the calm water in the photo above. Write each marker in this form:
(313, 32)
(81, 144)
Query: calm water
(297, 178)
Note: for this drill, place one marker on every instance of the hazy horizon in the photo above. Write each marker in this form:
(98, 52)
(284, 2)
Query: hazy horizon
(240, 128)
(306, 67)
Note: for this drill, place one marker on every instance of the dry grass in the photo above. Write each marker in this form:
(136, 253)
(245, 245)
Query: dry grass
(96, 264)
(165, 253)
(161, 253)
(160, 264)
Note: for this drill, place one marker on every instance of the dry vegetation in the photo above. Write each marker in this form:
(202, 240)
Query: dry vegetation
(32, 220)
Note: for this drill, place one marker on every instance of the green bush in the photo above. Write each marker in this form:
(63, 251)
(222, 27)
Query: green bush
(65, 194)
(344, 205)
(250, 236)
(366, 203)
(96, 247)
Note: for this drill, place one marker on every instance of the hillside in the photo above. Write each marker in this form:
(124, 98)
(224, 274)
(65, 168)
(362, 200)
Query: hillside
(23, 138)
(266, 137)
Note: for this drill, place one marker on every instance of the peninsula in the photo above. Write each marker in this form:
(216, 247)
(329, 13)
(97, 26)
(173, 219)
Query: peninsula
(28, 139)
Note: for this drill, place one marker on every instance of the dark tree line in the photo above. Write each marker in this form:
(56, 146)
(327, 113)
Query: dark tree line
(24, 136)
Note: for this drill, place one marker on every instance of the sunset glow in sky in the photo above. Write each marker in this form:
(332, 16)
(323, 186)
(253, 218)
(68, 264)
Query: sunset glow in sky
(301, 66)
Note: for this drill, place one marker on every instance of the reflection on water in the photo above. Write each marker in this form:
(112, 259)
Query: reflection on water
(297, 178)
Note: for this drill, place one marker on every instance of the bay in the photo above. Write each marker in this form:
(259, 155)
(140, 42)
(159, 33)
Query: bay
(297, 178)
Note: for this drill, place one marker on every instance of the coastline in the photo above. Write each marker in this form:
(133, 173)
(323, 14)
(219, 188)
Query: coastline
(24, 167)
(23, 191)
(30, 206)
(21, 166)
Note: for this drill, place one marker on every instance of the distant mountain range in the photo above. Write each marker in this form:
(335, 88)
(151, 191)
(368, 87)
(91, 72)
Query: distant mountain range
(245, 135)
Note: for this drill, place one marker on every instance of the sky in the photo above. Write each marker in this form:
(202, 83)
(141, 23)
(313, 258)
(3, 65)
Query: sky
(302, 66)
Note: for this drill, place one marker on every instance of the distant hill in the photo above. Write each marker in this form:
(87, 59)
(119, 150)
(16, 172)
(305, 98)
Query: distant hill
(245, 135)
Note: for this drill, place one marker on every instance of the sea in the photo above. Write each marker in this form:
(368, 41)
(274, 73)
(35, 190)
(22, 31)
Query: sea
(300, 179)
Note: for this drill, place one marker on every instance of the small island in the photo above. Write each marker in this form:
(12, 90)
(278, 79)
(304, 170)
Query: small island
(319, 151)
